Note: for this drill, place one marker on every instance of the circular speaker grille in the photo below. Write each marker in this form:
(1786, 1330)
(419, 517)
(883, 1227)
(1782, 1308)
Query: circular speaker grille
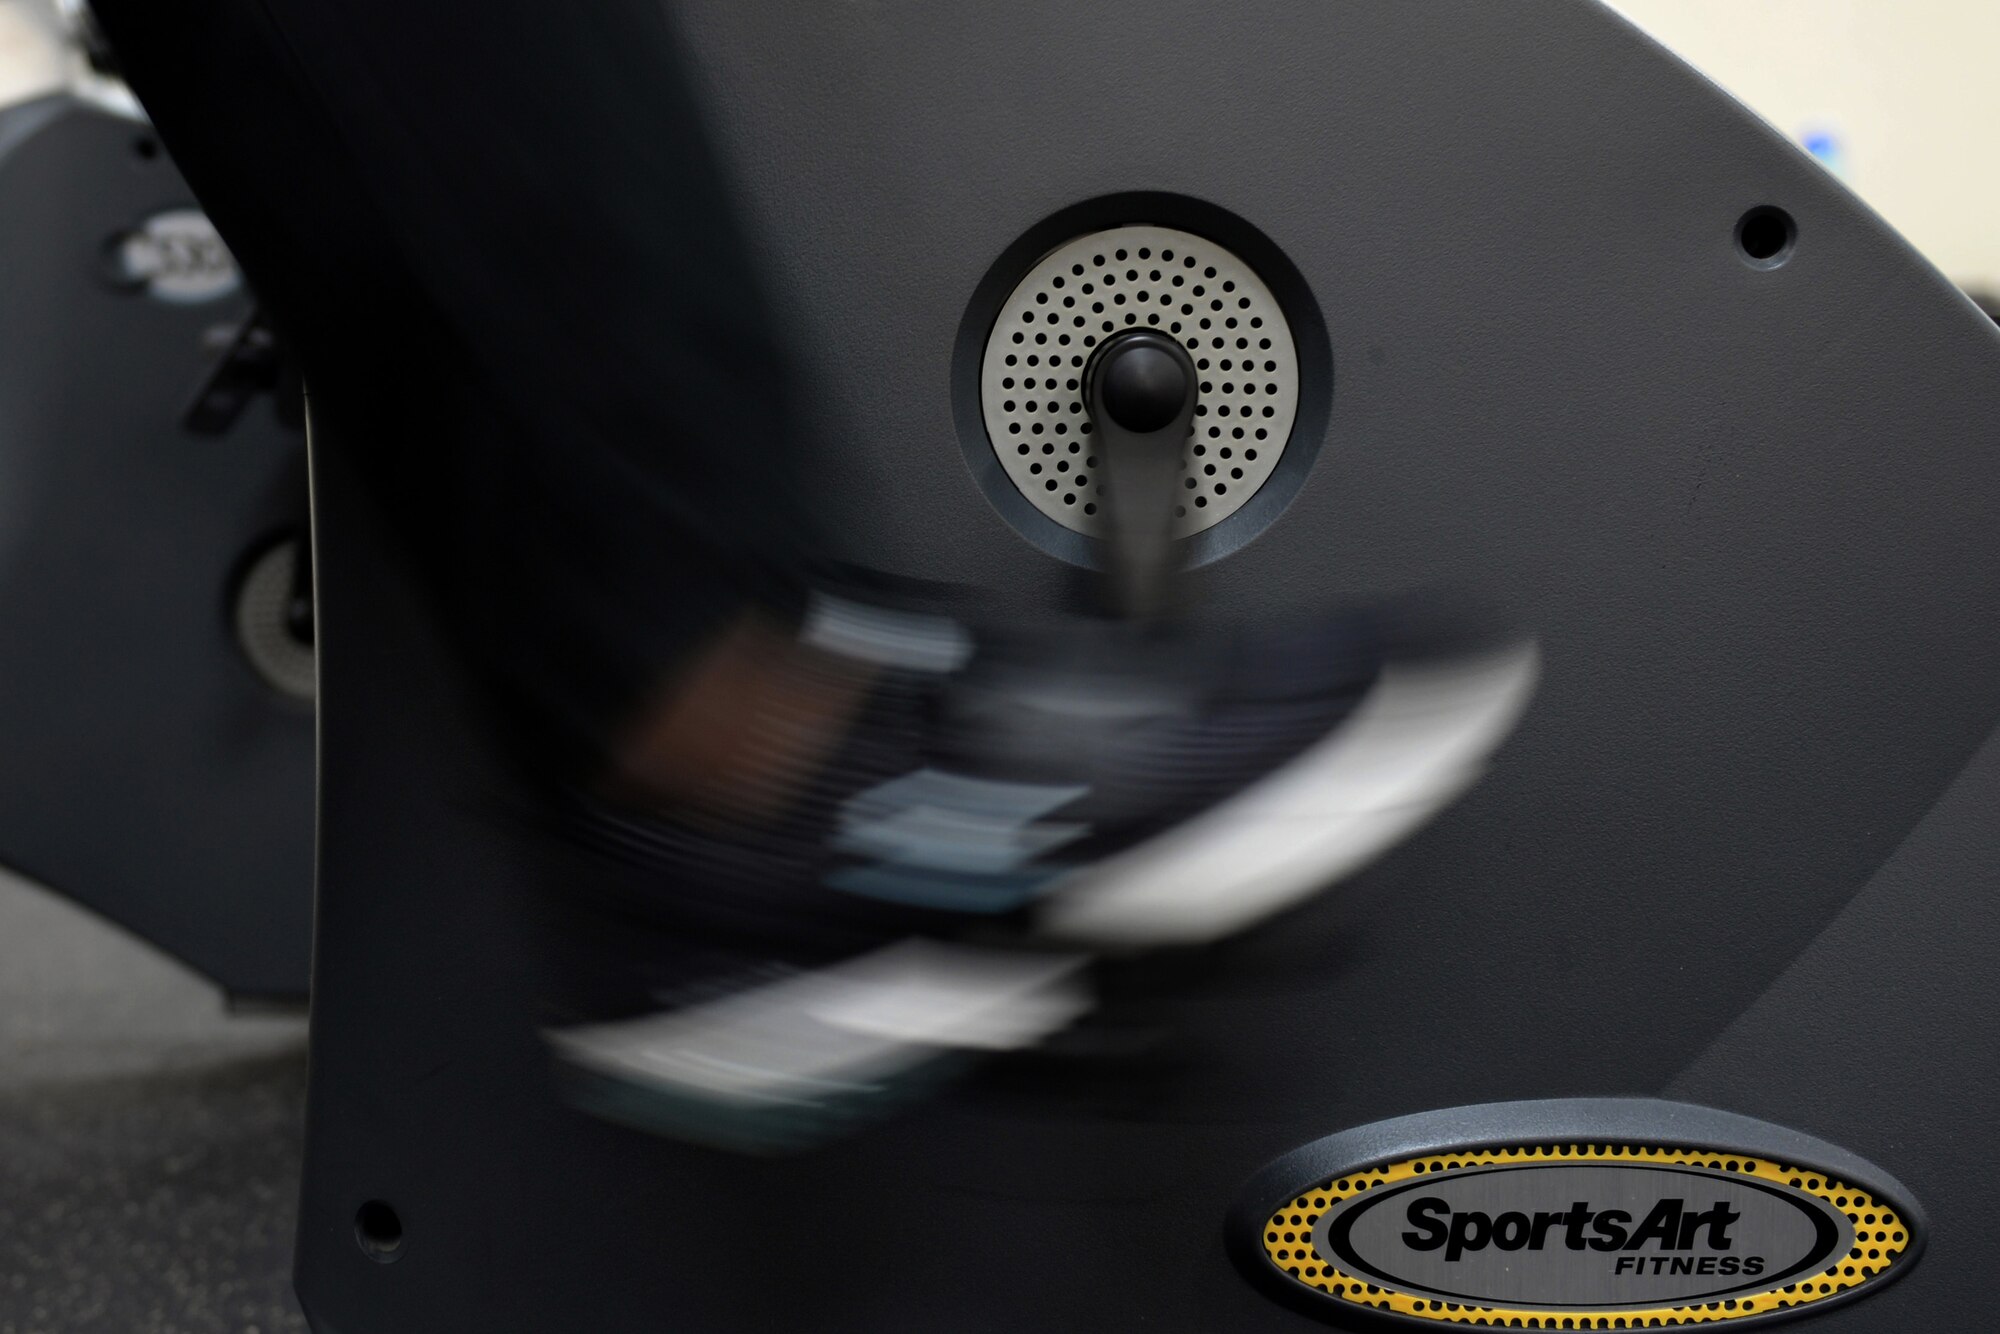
(263, 624)
(1031, 379)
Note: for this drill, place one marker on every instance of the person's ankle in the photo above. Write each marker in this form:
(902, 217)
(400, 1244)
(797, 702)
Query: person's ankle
(734, 736)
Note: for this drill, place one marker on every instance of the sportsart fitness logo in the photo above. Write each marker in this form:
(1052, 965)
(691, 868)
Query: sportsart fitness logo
(1581, 1236)
(1618, 1235)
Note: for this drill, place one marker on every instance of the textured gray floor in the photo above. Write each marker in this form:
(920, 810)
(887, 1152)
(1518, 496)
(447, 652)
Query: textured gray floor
(149, 1143)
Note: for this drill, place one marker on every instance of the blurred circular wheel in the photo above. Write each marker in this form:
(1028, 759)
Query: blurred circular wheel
(267, 625)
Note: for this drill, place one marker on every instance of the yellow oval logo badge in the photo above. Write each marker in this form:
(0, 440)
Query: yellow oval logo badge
(1577, 1232)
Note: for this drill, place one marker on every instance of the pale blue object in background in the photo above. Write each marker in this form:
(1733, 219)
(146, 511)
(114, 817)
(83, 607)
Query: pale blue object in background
(1825, 144)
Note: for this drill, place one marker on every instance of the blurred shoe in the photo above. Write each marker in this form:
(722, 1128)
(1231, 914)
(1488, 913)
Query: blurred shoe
(1007, 807)
(793, 1060)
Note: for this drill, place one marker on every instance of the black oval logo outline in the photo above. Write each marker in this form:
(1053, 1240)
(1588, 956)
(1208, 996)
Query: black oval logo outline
(1826, 1236)
(1589, 1129)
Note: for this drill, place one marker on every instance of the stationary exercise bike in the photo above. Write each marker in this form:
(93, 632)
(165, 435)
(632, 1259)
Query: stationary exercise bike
(1682, 1017)
(1544, 309)
(157, 682)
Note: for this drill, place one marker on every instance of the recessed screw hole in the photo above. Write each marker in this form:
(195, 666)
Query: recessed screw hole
(378, 1230)
(1766, 235)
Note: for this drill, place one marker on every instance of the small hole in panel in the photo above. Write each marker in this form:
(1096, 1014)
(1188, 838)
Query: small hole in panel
(1765, 236)
(378, 1231)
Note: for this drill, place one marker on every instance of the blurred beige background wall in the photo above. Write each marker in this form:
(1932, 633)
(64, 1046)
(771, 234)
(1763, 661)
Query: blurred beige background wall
(1908, 92)
(31, 58)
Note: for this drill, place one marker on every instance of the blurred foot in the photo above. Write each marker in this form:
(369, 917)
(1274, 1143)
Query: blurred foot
(991, 812)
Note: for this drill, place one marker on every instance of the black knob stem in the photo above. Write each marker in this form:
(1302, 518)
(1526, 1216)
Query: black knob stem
(1140, 388)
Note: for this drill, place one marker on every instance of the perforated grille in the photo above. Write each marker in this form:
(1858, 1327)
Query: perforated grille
(263, 630)
(1881, 1240)
(1031, 380)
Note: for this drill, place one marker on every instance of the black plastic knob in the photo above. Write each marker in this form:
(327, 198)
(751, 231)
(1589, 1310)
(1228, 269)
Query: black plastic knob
(1144, 387)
